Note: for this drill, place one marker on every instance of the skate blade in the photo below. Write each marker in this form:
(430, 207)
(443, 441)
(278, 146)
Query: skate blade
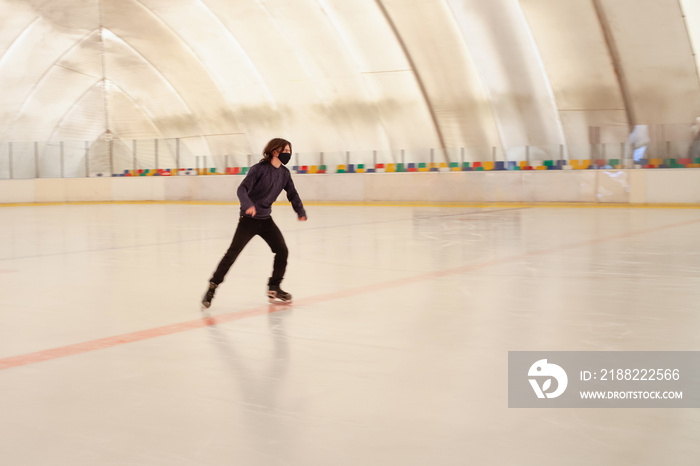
(279, 301)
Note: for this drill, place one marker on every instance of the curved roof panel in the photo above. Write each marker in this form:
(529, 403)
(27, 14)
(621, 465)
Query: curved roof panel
(333, 76)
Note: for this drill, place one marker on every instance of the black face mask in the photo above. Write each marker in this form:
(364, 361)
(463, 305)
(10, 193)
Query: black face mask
(285, 157)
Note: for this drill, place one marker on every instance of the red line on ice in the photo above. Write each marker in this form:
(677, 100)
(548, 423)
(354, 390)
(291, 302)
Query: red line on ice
(109, 342)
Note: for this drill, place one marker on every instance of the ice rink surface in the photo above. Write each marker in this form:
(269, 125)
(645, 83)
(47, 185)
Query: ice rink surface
(394, 352)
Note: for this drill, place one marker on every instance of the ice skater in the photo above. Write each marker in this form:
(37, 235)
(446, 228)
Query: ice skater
(260, 188)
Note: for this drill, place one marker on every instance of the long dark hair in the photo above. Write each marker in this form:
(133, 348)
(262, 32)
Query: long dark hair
(274, 144)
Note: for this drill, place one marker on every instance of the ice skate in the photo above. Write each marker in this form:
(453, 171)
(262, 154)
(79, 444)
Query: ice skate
(277, 295)
(208, 296)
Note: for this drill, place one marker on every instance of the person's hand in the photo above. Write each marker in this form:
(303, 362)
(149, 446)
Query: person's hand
(302, 219)
(251, 211)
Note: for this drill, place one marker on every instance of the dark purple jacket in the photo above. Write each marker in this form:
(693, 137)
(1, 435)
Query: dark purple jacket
(261, 187)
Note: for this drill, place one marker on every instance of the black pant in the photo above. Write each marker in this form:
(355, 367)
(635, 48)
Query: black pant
(247, 228)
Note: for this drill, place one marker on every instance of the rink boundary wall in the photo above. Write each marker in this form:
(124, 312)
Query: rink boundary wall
(604, 187)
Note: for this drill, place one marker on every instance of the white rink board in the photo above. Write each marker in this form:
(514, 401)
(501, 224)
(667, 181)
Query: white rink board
(586, 186)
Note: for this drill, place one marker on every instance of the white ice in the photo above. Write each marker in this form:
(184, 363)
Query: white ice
(394, 353)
